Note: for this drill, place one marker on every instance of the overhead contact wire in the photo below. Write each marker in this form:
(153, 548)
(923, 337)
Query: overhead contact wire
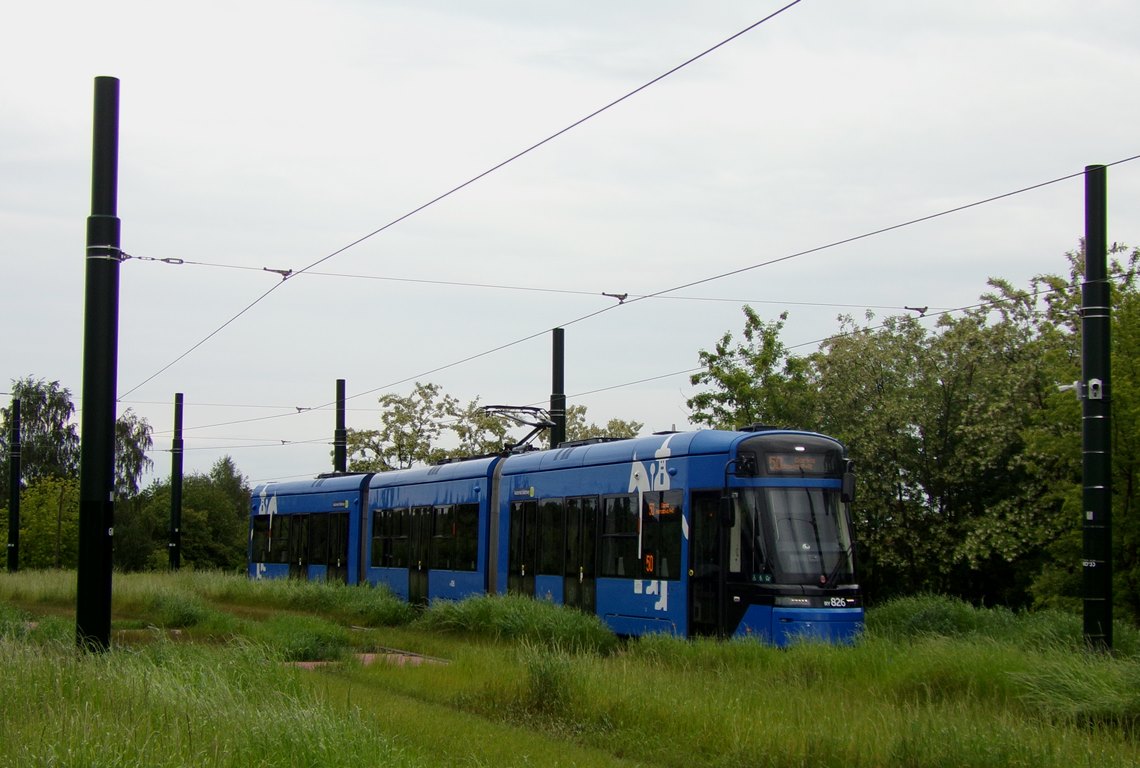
(469, 182)
(769, 262)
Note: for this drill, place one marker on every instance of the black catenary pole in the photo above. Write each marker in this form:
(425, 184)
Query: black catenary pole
(558, 389)
(176, 487)
(340, 435)
(1096, 432)
(100, 362)
(14, 490)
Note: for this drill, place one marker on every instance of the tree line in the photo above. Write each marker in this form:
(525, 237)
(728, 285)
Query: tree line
(215, 505)
(422, 427)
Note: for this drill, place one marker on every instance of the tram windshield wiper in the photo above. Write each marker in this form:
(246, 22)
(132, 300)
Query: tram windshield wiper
(844, 556)
(815, 530)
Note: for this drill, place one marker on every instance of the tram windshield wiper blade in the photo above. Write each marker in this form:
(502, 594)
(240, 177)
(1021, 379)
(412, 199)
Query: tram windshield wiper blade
(815, 532)
(844, 556)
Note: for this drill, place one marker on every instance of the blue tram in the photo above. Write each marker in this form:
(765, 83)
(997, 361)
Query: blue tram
(709, 532)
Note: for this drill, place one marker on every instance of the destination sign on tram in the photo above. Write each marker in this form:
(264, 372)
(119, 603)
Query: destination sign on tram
(797, 464)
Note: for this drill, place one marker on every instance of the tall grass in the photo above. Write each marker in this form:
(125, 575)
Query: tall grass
(178, 599)
(963, 688)
(932, 682)
(1085, 691)
(50, 588)
(909, 618)
(367, 606)
(936, 702)
(302, 638)
(171, 705)
(518, 619)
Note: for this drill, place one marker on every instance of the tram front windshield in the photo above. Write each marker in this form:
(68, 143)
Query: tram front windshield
(791, 536)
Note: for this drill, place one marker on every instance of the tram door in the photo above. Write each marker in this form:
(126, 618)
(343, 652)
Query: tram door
(522, 551)
(419, 558)
(581, 555)
(338, 547)
(705, 576)
(298, 543)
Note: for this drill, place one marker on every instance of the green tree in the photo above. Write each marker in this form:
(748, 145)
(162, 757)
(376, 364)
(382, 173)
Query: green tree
(215, 522)
(141, 532)
(577, 428)
(226, 478)
(1126, 437)
(1058, 435)
(132, 441)
(413, 428)
(49, 443)
(410, 427)
(753, 382)
(952, 498)
(49, 523)
(1004, 482)
(479, 432)
(867, 382)
(968, 456)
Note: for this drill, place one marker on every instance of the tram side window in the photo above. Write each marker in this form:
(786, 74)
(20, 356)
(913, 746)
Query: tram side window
(278, 550)
(550, 541)
(378, 540)
(705, 512)
(466, 537)
(442, 538)
(619, 537)
(390, 538)
(318, 538)
(661, 535)
(260, 545)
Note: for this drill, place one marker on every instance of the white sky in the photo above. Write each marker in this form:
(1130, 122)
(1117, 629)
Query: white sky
(271, 134)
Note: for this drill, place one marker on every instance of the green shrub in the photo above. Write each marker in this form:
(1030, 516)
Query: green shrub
(906, 618)
(909, 618)
(517, 618)
(374, 607)
(549, 680)
(303, 638)
(704, 654)
(177, 610)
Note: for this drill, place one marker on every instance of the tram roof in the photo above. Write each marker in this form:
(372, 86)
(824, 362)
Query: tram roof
(326, 483)
(455, 470)
(658, 446)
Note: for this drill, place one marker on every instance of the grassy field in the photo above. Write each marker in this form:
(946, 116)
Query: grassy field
(204, 672)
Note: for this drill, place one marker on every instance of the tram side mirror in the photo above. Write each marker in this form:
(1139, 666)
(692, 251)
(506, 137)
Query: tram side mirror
(727, 512)
(847, 491)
